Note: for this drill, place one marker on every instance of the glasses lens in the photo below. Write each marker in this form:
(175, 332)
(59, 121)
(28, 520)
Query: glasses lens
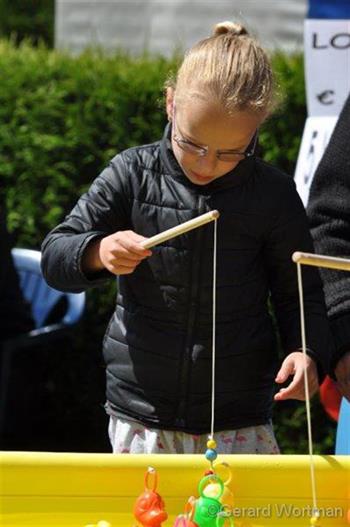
(190, 148)
(230, 158)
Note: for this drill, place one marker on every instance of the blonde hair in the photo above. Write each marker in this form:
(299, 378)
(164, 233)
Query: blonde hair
(231, 68)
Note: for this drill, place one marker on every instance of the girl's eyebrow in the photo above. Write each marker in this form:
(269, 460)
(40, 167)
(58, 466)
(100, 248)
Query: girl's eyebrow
(191, 140)
(197, 143)
(188, 137)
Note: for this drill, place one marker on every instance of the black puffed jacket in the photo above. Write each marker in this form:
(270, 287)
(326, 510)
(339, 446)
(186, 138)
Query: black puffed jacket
(329, 216)
(158, 343)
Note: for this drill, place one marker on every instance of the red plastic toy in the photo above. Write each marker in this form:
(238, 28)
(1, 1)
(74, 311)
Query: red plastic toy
(149, 507)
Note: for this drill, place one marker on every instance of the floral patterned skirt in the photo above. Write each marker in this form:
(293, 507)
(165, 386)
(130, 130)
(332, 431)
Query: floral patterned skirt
(131, 437)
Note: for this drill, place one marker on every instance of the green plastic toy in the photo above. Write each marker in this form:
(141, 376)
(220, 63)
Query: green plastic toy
(207, 508)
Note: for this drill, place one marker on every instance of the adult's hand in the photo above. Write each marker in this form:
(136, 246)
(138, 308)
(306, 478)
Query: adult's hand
(293, 365)
(342, 373)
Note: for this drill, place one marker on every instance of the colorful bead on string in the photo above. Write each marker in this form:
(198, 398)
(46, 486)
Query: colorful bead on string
(211, 453)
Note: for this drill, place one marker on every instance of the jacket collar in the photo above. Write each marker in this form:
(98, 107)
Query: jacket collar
(238, 176)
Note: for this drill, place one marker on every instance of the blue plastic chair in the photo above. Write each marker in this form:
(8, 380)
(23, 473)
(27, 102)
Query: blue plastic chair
(41, 296)
(43, 299)
(342, 446)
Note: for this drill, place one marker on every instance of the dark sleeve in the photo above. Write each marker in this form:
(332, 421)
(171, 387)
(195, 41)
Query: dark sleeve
(329, 216)
(15, 315)
(290, 233)
(98, 213)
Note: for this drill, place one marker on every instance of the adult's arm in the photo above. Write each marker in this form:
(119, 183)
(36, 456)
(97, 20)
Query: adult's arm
(329, 216)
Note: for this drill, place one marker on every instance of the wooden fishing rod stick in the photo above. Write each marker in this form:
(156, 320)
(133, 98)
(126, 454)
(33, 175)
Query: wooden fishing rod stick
(318, 260)
(180, 229)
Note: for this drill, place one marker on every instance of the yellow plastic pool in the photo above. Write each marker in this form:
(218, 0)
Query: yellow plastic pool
(76, 490)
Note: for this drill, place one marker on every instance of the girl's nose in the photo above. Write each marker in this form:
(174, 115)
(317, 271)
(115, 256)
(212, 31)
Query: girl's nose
(206, 164)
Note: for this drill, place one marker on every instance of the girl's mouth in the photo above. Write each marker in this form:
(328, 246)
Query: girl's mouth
(199, 177)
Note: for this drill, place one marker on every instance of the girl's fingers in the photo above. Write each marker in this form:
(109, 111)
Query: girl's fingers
(296, 389)
(130, 241)
(122, 254)
(121, 269)
(125, 262)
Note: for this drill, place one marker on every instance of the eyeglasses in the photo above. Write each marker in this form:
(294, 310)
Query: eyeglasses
(227, 156)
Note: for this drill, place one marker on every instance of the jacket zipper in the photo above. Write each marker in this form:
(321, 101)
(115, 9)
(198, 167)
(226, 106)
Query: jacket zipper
(193, 299)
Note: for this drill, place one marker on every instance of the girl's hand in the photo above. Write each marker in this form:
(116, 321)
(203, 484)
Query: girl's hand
(120, 253)
(293, 364)
(342, 373)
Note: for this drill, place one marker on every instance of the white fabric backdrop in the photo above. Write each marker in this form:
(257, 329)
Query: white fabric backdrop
(162, 25)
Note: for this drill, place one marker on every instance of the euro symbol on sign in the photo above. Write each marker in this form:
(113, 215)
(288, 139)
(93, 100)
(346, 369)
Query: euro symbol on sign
(326, 97)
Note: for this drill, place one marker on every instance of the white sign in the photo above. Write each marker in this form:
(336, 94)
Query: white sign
(317, 133)
(327, 76)
(327, 65)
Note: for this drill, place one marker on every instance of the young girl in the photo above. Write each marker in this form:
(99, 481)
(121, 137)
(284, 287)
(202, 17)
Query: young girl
(158, 343)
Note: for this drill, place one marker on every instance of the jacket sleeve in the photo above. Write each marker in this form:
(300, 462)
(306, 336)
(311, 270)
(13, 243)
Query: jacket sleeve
(329, 216)
(102, 210)
(290, 233)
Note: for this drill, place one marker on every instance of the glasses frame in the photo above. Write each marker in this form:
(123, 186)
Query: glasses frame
(202, 151)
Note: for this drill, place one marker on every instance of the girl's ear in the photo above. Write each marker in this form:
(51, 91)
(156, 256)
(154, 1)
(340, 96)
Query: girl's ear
(170, 95)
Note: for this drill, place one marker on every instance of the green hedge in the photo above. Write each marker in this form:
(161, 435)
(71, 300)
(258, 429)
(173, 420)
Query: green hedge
(32, 20)
(62, 118)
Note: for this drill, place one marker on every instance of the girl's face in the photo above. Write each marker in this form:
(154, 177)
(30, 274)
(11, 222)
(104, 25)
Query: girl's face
(199, 123)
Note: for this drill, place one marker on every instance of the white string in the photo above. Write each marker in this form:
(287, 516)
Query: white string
(213, 335)
(307, 392)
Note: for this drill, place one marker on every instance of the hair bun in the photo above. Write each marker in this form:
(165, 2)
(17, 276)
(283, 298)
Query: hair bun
(222, 28)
